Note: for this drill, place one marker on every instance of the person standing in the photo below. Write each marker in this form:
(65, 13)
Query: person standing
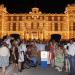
(21, 49)
(66, 58)
(4, 58)
(53, 47)
(71, 49)
(15, 57)
(59, 58)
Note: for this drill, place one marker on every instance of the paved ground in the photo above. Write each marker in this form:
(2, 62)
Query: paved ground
(36, 71)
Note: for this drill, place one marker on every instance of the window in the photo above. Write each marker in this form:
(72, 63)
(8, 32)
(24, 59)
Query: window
(55, 18)
(9, 27)
(20, 18)
(0, 25)
(35, 11)
(14, 26)
(19, 27)
(73, 26)
(56, 26)
(73, 11)
(61, 18)
(35, 17)
(37, 25)
(31, 25)
(26, 25)
(9, 18)
(0, 17)
(41, 17)
(50, 26)
(14, 18)
(28, 17)
(61, 28)
(23, 18)
(43, 24)
(50, 18)
(46, 17)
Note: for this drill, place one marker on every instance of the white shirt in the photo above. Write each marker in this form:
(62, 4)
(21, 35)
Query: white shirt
(8, 42)
(66, 50)
(71, 49)
(4, 51)
(41, 47)
(37, 45)
(23, 47)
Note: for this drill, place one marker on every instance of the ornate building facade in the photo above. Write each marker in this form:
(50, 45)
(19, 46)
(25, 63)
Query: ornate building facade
(38, 25)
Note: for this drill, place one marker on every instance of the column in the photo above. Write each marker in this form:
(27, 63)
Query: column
(12, 18)
(17, 18)
(16, 26)
(27, 35)
(11, 25)
(52, 26)
(59, 25)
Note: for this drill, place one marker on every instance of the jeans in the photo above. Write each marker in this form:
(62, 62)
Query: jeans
(72, 64)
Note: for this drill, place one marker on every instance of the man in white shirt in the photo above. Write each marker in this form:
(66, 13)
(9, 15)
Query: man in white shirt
(71, 50)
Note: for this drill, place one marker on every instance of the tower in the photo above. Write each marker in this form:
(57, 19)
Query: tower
(2, 12)
(70, 12)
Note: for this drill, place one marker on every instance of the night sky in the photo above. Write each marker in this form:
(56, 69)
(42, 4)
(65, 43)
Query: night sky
(46, 6)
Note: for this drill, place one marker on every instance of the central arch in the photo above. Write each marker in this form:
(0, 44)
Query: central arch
(56, 37)
(16, 36)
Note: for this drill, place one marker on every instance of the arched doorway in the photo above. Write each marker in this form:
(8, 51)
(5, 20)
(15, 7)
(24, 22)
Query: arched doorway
(15, 36)
(56, 37)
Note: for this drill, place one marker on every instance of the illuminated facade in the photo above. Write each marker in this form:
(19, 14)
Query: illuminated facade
(38, 25)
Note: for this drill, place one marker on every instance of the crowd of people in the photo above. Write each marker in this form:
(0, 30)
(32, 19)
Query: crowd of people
(18, 52)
